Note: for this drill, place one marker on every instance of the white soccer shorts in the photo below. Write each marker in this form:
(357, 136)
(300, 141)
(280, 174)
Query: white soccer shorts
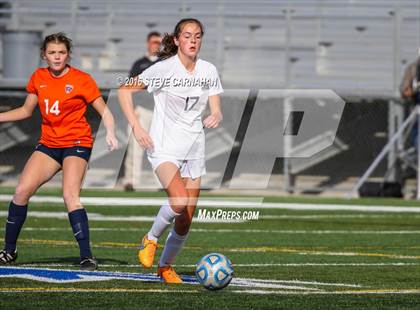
(189, 168)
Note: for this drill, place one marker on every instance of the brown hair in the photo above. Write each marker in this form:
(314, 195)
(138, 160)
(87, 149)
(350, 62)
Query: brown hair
(169, 47)
(59, 37)
(153, 34)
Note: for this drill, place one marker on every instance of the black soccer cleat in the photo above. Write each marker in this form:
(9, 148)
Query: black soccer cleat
(7, 257)
(88, 264)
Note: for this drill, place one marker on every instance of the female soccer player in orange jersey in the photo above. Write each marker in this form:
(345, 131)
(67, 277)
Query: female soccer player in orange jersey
(182, 84)
(63, 94)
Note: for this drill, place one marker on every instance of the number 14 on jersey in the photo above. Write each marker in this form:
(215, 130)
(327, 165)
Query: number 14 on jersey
(54, 108)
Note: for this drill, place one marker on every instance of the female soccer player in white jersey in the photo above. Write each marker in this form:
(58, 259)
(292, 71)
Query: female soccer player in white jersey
(181, 84)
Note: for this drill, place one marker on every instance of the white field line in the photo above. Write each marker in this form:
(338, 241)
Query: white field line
(336, 207)
(252, 231)
(150, 218)
(326, 253)
(311, 232)
(141, 201)
(225, 203)
(201, 291)
(334, 216)
(249, 283)
(262, 265)
(111, 218)
(346, 292)
(257, 281)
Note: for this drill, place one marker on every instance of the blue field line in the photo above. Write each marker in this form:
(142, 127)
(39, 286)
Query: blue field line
(49, 275)
(66, 276)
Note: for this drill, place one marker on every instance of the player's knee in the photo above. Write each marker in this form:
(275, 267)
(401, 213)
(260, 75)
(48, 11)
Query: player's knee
(22, 194)
(71, 200)
(179, 202)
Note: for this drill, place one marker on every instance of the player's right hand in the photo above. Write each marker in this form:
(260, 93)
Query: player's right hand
(111, 141)
(143, 138)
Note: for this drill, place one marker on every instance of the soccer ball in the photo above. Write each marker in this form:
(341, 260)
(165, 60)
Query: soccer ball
(214, 271)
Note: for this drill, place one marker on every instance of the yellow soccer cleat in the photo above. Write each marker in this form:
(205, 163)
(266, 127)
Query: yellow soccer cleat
(147, 252)
(169, 275)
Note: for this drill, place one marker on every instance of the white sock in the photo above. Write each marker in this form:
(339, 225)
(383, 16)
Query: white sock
(164, 218)
(173, 246)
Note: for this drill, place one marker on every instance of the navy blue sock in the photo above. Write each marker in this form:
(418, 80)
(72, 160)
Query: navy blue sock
(79, 223)
(14, 223)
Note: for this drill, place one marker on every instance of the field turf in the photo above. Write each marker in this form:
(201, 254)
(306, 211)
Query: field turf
(306, 259)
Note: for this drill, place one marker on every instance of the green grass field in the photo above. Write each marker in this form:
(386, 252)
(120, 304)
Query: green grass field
(326, 259)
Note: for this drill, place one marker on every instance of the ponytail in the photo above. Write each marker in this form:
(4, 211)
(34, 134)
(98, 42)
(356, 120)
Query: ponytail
(169, 47)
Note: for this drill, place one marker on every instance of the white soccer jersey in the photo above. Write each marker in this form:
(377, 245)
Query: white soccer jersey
(180, 99)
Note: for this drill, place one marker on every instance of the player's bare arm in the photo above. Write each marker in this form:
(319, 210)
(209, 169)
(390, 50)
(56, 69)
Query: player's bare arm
(100, 106)
(216, 116)
(125, 97)
(23, 112)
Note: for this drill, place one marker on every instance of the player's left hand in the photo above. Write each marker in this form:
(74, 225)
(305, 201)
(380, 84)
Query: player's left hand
(213, 120)
(111, 141)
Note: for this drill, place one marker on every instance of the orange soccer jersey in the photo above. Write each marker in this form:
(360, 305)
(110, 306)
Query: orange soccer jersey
(63, 102)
